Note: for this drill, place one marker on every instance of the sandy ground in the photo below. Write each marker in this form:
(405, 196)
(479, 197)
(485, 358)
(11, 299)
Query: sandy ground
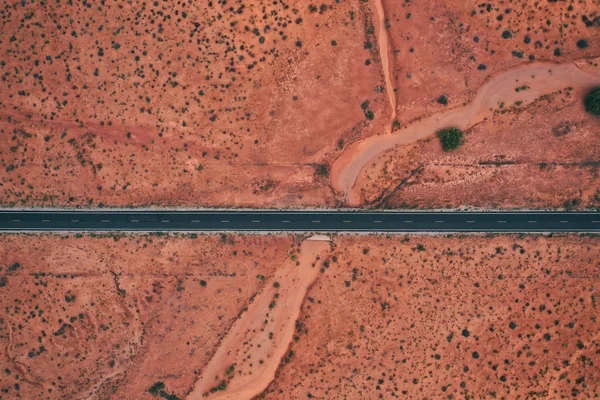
(369, 316)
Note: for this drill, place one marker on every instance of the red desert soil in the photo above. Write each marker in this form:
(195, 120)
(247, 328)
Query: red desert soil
(219, 103)
(150, 317)
(233, 104)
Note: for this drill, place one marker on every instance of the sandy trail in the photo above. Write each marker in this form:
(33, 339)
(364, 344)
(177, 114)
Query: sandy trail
(384, 52)
(540, 78)
(247, 359)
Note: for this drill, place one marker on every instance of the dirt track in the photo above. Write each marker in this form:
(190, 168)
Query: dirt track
(384, 52)
(539, 78)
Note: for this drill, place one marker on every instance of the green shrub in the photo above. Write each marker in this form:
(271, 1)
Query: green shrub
(443, 100)
(154, 389)
(451, 138)
(582, 44)
(592, 101)
(322, 170)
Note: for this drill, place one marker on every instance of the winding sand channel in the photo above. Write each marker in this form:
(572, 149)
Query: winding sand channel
(540, 78)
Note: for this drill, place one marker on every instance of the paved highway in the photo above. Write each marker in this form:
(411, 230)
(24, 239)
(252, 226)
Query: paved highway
(298, 221)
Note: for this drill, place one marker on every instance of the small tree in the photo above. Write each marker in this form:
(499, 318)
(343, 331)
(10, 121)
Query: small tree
(582, 43)
(451, 138)
(592, 101)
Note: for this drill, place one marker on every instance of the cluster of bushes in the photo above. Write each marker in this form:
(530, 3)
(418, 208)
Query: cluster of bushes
(592, 101)
(451, 138)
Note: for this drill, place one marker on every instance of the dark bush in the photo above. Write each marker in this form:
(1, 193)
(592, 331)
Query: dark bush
(451, 138)
(592, 101)
(582, 43)
(154, 389)
(322, 170)
(443, 100)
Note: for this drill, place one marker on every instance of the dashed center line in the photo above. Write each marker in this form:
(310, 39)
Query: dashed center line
(532, 222)
(74, 220)
(225, 221)
(45, 220)
(564, 222)
(105, 220)
(16, 220)
(501, 222)
(347, 222)
(470, 222)
(439, 222)
(255, 222)
(195, 221)
(286, 222)
(377, 222)
(408, 222)
(135, 220)
(316, 222)
(164, 220)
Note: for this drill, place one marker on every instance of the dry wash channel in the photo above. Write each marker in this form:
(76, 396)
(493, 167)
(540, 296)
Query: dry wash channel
(540, 78)
(247, 359)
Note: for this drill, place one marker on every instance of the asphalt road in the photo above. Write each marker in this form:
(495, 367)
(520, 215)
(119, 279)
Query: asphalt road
(299, 221)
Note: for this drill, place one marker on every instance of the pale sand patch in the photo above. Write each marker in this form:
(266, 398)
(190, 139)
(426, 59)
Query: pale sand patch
(384, 53)
(247, 359)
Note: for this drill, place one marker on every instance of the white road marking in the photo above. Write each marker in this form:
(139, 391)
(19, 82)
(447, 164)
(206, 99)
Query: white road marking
(256, 222)
(532, 222)
(408, 222)
(316, 222)
(470, 222)
(347, 222)
(377, 222)
(595, 222)
(285, 222)
(45, 220)
(501, 222)
(564, 222)
(225, 221)
(135, 220)
(16, 220)
(164, 220)
(74, 220)
(195, 220)
(439, 222)
(105, 220)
